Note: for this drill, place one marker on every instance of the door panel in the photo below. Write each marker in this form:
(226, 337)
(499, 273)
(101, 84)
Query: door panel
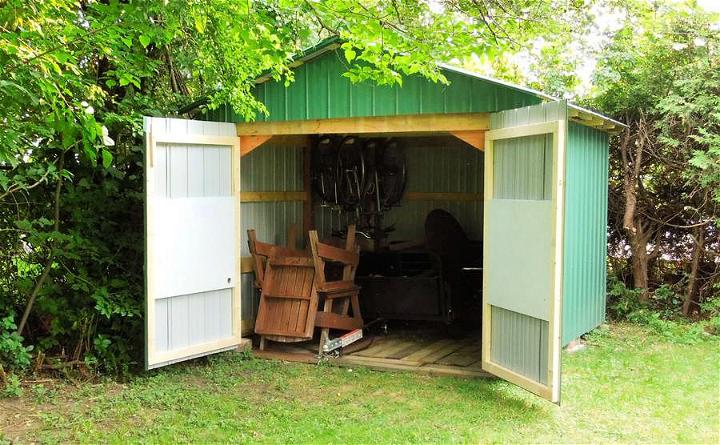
(192, 247)
(523, 249)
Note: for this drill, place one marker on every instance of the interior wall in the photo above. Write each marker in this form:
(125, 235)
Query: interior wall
(275, 166)
(438, 164)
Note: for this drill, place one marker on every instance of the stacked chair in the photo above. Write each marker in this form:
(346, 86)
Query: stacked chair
(294, 284)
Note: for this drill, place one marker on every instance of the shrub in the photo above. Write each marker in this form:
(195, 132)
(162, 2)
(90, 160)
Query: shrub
(12, 352)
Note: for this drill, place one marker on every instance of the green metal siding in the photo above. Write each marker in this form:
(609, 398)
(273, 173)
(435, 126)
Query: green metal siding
(320, 91)
(523, 168)
(517, 343)
(586, 192)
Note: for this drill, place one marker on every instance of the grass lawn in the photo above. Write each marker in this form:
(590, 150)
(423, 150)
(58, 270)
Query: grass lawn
(627, 386)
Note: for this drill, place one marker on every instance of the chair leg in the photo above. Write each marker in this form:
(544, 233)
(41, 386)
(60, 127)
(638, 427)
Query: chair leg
(356, 307)
(325, 332)
(262, 342)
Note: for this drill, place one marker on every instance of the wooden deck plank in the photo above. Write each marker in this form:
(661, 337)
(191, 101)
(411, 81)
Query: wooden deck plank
(379, 347)
(429, 349)
(462, 357)
(397, 348)
(378, 361)
(444, 357)
(412, 348)
(440, 353)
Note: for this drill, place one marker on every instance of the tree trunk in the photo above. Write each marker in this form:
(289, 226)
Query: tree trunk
(694, 266)
(631, 150)
(639, 261)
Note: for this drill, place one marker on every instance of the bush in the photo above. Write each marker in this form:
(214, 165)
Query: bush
(12, 352)
(13, 386)
(662, 313)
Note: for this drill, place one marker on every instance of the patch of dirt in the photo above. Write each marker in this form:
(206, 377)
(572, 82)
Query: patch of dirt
(22, 417)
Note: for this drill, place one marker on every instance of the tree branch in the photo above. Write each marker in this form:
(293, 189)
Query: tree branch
(48, 264)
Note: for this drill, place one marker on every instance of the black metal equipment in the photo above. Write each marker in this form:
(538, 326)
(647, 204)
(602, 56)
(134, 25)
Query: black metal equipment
(442, 281)
(405, 285)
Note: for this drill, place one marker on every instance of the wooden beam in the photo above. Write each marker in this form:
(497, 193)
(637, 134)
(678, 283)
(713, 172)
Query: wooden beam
(246, 264)
(308, 211)
(337, 321)
(377, 124)
(250, 143)
(273, 196)
(474, 138)
(443, 196)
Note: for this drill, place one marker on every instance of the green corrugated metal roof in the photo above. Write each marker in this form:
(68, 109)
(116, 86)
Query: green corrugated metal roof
(321, 91)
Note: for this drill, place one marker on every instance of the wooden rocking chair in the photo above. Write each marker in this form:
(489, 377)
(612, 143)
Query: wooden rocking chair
(343, 291)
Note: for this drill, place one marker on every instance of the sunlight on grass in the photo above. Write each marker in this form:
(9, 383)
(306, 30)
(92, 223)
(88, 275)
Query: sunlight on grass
(626, 386)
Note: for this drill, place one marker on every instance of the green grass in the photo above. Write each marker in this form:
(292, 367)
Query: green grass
(627, 386)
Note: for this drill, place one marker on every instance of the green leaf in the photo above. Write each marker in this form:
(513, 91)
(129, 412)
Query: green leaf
(145, 40)
(350, 54)
(106, 158)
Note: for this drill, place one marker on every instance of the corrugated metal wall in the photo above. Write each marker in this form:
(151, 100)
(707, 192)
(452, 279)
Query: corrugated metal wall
(438, 164)
(321, 91)
(274, 166)
(584, 281)
(523, 168)
(519, 343)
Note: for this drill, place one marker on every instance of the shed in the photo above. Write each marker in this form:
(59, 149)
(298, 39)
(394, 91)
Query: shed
(521, 172)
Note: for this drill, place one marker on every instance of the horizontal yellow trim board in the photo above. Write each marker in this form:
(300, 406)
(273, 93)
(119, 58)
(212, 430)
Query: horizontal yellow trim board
(523, 130)
(377, 124)
(273, 196)
(443, 196)
(194, 139)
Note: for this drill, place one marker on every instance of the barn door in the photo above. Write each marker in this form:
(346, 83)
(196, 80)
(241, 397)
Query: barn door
(524, 170)
(192, 245)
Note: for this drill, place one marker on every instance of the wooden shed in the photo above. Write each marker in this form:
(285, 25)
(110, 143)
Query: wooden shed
(522, 174)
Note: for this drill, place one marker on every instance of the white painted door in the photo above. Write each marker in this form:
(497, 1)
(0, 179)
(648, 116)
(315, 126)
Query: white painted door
(192, 283)
(522, 289)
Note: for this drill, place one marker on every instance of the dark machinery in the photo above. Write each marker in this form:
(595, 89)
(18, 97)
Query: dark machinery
(441, 281)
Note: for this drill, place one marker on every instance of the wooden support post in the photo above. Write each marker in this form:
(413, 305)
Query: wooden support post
(307, 216)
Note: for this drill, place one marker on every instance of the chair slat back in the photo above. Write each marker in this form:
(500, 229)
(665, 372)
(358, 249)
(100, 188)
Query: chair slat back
(349, 257)
(261, 251)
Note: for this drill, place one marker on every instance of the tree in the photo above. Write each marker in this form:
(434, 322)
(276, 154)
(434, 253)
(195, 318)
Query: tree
(660, 76)
(77, 75)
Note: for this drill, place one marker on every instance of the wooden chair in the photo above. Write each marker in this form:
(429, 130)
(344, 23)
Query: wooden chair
(260, 252)
(343, 291)
(288, 300)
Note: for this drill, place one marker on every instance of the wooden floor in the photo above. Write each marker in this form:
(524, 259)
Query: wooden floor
(395, 352)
